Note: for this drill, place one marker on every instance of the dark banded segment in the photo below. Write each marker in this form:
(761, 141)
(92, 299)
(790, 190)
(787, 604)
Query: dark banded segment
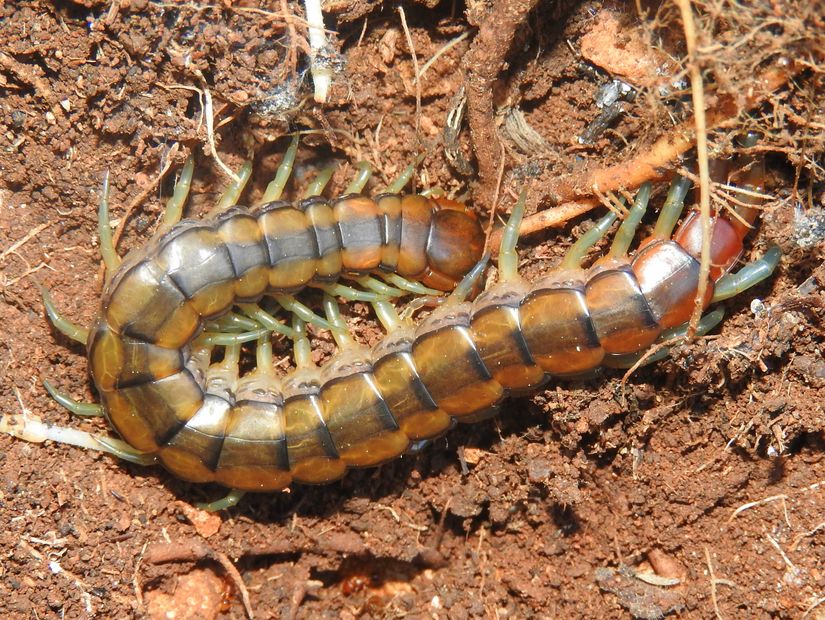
(360, 227)
(244, 241)
(291, 246)
(621, 317)
(312, 454)
(327, 238)
(389, 205)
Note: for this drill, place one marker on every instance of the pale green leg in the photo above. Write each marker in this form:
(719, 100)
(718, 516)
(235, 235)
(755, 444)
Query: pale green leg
(319, 182)
(363, 175)
(228, 501)
(507, 254)
(468, 282)
(627, 229)
(86, 410)
(262, 317)
(111, 260)
(301, 348)
(348, 293)
(233, 191)
(405, 177)
(275, 189)
(706, 323)
(575, 255)
(339, 327)
(232, 322)
(290, 304)
(212, 339)
(672, 209)
(388, 316)
(433, 192)
(61, 323)
(410, 286)
(750, 275)
(124, 451)
(174, 206)
(379, 287)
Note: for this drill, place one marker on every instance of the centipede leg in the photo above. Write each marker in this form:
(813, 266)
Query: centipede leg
(316, 187)
(124, 451)
(469, 281)
(575, 255)
(672, 209)
(383, 289)
(174, 206)
(222, 339)
(233, 191)
(409, 285)
(232, 322)
(351, 294)
(405, 177)
(339, 327)
(750, 275)
(262, 317)
(85, 410)
(508, 255)
(387, 315)
(301, 347)
(363, 175)
(627, 229)
(290, 304)
(61, 323)
(111, 259)
(275, 189)
(228, 501)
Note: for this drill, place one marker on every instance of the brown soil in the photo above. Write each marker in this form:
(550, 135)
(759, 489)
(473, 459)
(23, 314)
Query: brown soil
(697, 490)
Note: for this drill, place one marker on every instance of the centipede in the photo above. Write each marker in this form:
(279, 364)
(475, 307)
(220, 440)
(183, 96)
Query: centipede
(198, 285)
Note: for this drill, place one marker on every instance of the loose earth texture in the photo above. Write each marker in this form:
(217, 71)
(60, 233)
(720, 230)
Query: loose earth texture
(695, 488)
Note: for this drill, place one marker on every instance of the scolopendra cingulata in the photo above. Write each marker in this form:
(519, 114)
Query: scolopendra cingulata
(171, 303)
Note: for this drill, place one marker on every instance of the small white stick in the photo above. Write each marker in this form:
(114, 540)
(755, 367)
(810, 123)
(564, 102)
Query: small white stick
(321, 73)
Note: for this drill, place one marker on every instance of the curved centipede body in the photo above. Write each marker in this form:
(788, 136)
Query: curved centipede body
(261, 432)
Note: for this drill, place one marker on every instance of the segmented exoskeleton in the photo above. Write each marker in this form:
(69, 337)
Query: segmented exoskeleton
(151, 360)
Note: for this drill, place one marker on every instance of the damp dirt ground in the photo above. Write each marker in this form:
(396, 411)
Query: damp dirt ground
(695, 489)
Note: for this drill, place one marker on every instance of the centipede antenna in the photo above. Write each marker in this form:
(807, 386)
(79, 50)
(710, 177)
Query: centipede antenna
(672, 209)
(468, 282)
(627, 229)
(405, 177)
(301, 348)
(575, 255)
(347, 292)
(339, 327)
(221, 339)
(85, 410)
(275, 189)
(508, 255)
(363, 175)
(409, 285)
(111, 259)
(227, 501)
(174, 206)
(262, 317)
(290, 304)
(388, 315)
(316, 187)
(124, 451)
(379, 287)
(233, 191)
(753, 273)
(61, 323)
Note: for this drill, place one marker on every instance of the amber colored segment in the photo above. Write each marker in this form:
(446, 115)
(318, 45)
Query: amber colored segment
(621, 317)
(725, 245)
(244, 241)
(455, 245)
(500, 343)
(361, 426)
(312, 454)
(193, 452)
(146, 305)
(118, 361)
(292, 248)
(389, 205)
(147, 415)
(320, 215)
(198, 262)
(254, 454)
(359, 224)
(556, 326)
(668, 278)
(416, 216)
(437, 280)
(453, 373)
